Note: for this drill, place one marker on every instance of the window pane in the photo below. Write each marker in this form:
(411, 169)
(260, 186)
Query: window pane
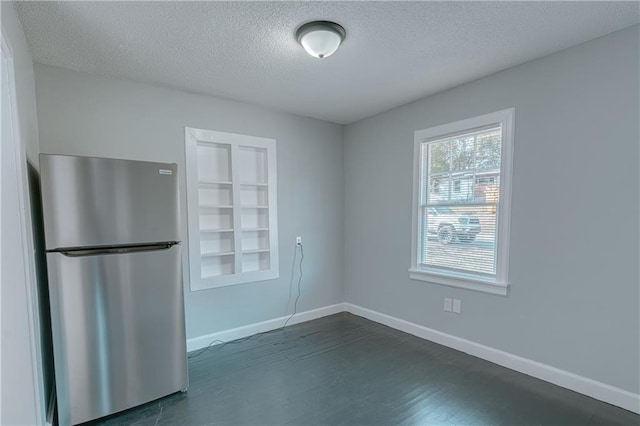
(461, 176)
(488, 145)
(486, 188)
(460, 237)
(438, 154)
(451, 188)
(461, 153)
(437, 189)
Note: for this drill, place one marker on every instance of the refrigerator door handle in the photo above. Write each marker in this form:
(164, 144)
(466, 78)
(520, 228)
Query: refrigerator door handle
(134, 248)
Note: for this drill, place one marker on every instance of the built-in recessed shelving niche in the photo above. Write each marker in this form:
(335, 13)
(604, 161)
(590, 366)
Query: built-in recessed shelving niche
(253, 195)
(214, 163)
(255, 239)
(232, 211)
(256, 261)
(216, 243)
(216, 266)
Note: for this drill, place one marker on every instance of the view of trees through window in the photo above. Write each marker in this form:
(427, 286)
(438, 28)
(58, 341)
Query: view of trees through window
(460, 195)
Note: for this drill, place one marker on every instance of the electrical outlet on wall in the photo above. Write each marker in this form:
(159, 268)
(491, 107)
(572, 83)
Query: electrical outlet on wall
(447, 304)
(457, 306)
(298, 241)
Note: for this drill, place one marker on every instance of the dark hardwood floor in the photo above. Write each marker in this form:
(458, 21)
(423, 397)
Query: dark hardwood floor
(346, 370)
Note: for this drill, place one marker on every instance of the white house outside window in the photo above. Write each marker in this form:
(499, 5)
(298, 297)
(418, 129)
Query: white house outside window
(462, 191)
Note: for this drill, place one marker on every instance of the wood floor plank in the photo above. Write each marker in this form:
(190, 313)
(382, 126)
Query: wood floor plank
(346, 370)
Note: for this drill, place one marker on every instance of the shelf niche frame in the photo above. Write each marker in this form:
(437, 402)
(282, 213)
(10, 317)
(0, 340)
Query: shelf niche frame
(244, 164)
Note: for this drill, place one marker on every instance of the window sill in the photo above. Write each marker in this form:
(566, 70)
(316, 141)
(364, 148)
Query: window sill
(469, 283)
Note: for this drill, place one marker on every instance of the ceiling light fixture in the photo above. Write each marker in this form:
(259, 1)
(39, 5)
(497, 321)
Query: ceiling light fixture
(320, 38)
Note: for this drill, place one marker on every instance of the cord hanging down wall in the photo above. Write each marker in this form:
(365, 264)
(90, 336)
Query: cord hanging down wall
(220, 343)
(295, 305)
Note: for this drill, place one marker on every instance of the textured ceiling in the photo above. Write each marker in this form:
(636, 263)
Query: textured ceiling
(395, 52)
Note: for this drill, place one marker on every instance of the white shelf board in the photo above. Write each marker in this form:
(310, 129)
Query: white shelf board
(215, 206)
(217, 254)
(216, 230)
(216, 275)
(255, 251)
(214, 182)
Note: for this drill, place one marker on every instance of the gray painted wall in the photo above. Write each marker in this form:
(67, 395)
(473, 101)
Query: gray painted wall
(574, 277)
(82, 114)
(575, 296)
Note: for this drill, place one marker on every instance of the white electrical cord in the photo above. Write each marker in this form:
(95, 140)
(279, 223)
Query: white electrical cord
(295, 308)
(295, 305)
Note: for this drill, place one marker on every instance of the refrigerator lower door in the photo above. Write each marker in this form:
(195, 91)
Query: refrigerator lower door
(118, 331)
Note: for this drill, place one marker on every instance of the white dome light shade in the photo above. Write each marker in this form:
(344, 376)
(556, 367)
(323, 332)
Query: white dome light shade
(320, 44)
(320, 38)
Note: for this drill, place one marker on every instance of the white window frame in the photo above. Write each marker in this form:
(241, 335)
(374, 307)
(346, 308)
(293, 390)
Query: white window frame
(498, 285)
(195, 137)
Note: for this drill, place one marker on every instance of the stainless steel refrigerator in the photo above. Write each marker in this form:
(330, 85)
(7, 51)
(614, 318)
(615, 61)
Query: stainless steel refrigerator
(115, 283)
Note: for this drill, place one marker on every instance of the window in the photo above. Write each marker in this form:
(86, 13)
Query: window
(232, 208)
(460, 233)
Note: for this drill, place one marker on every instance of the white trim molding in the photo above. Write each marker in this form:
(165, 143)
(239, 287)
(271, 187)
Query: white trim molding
(460, 280)
(260, 327)
(16, 146)
(584, 385)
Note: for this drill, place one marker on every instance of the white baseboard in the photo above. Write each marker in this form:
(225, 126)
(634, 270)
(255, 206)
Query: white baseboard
(260, 327)
(598, 390)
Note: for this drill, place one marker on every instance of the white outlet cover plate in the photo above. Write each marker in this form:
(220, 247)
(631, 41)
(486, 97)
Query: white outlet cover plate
(447, 304)
(457, 306)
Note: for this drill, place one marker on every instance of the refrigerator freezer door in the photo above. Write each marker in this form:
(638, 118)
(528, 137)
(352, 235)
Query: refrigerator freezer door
(118, 331)
(91, 202)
